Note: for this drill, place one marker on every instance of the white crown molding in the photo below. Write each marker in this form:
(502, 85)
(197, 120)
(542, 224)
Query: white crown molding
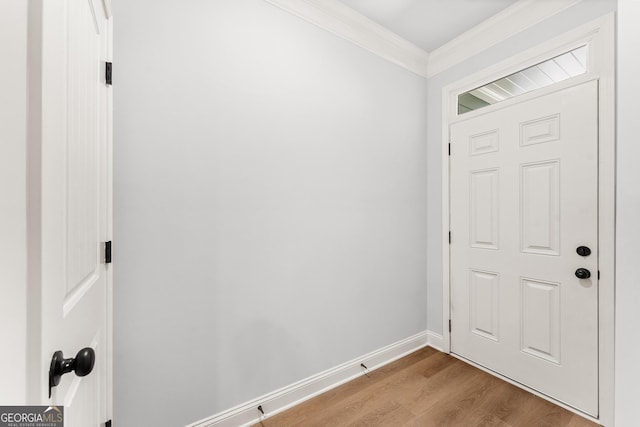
(341, 20)
(511, 21)
(275, 402)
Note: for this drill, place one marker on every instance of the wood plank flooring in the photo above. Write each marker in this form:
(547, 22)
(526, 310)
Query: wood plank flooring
(427, 388)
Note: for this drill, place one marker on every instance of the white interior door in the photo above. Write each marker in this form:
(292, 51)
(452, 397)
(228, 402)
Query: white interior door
(524, 182)
(75, 209)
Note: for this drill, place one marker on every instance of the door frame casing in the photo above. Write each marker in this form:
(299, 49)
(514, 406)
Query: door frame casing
(599, 35)
(108, 10)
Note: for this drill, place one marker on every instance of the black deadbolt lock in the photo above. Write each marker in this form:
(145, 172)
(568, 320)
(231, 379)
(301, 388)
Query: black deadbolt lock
(583, 273)
(583, 251)
(82, 365)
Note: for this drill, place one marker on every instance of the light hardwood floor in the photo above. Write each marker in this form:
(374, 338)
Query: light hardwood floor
(427, 388)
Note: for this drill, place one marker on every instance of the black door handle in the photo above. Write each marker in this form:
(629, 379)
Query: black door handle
(82, 365)
(583, 273)
(583, 251)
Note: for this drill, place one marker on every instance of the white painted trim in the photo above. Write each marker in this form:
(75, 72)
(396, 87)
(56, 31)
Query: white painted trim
(247, 414)
(109, 236)
(446, 221)
(604, 49)
(35, 49)
(500, 27)
(341, 20)
(600, 36)
(107, 8)
(434, 340)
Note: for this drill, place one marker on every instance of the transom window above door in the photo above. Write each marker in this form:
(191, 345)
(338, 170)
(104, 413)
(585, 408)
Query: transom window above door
(562, 67)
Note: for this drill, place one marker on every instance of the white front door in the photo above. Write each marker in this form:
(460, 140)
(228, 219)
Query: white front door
(524, 198)
(73, 173)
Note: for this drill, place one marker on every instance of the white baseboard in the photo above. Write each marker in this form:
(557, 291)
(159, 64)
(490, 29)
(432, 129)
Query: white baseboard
(435, 340)
(275, 402)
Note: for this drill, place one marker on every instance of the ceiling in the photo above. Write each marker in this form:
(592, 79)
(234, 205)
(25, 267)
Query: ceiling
(428, 23)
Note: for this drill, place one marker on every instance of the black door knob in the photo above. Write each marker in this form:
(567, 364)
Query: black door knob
(82, 365)
(583, 273)
(583, 251)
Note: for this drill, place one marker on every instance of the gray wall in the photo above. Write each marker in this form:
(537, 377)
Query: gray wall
(627, 221)
(561, 23)
(270, 205)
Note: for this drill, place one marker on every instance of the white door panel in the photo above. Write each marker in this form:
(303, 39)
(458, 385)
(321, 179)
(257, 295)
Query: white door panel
(74, 203)
(523, 198)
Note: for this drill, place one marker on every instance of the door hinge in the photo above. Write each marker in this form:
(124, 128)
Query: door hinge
(108, 71)
(449, 148)
(449, 325)
(107, 252)
(449, 236)
(107, 423)
(598, 274)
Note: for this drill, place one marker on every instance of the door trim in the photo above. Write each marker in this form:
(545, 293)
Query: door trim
(599, 35)
(109, 267)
